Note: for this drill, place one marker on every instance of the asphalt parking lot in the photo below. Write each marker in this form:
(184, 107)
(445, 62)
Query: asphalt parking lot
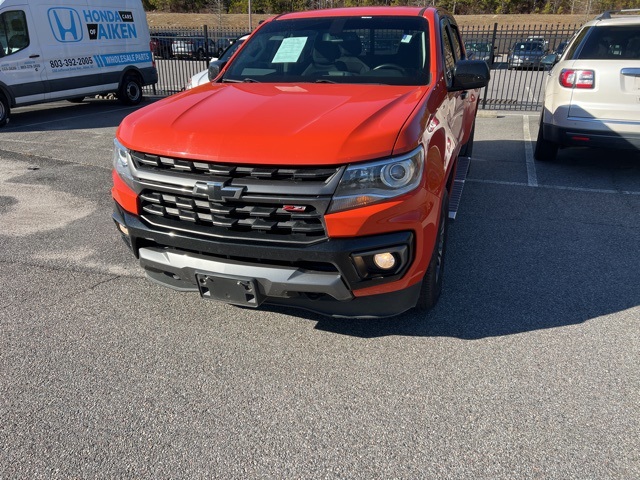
(529, 366)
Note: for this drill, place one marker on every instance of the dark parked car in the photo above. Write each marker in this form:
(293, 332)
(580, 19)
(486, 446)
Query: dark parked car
(480, 50)
(161, 44)
(193, 47)
(526, 55)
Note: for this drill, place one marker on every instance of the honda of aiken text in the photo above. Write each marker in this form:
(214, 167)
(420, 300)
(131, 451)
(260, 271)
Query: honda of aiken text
(314, 171)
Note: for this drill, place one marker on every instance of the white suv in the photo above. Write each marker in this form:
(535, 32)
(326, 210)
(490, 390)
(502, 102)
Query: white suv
(592, 94)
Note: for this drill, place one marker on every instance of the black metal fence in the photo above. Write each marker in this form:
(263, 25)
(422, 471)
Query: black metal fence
(515, 85)
(181, 53)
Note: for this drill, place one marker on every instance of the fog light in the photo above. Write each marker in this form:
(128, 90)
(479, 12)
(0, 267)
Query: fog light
(384, 261)
(381, 263)
(123, 229)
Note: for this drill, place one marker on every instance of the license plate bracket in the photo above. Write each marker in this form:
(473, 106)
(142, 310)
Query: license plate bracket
(229, 289)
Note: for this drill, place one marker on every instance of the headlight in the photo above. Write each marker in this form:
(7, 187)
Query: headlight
(366, 183)
(122, 162)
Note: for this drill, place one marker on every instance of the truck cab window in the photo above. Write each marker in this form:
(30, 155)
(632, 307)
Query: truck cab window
(13, 32)
(455, 39)
(447, 54)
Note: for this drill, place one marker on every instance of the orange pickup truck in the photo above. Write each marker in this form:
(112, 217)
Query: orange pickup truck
(314, 171)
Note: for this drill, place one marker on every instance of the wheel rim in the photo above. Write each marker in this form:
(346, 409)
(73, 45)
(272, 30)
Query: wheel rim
(133, 92)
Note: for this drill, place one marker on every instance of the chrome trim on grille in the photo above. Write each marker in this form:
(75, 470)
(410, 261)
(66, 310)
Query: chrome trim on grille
(253, 203)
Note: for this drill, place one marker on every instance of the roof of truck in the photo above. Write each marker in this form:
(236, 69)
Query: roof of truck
(359, 12)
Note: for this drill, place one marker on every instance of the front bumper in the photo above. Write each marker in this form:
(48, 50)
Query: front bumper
(320, 277)
(149, 76)
(519, 62)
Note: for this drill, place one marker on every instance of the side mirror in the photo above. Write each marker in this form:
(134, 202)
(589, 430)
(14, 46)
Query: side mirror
(549, 60)
(214, 69)
(470, 74)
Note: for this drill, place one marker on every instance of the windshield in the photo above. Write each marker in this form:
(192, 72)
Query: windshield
(528, 46)
(231, 49)
(389, 50)
(478, 46)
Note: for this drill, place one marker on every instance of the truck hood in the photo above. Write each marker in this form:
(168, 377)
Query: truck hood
(312, 124)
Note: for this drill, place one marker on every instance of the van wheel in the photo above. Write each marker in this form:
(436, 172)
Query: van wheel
(432, 282)
(545, 150)
(4, 110)
(130, 92)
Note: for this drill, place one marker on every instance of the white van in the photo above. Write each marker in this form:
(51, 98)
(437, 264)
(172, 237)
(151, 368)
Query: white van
(69, 49)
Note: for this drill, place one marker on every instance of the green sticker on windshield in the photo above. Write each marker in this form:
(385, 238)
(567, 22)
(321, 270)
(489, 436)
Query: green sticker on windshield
(290, 50)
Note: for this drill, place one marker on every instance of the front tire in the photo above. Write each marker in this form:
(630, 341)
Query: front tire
(130, 92)
(5, 110)
(432, 282)
(546, 150)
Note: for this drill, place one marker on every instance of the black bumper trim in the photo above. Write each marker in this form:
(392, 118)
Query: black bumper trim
(374, 306)
(596, 139)
(334, 254)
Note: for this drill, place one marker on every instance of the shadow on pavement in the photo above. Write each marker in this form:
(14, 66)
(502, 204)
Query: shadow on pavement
(63, 115)
(521, 259)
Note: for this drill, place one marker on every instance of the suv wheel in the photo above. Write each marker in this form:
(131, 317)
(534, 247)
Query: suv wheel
(545, 150)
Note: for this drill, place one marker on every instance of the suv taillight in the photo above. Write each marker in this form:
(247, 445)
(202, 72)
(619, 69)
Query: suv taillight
(571, 78)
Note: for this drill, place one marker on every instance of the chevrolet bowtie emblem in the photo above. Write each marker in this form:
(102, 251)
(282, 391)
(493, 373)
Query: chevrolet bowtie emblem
(218, 191)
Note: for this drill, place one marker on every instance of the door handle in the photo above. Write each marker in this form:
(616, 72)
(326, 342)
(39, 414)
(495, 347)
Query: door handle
(631, 72)
(34, 56)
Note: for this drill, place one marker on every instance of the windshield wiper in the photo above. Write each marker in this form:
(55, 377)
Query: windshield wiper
(244, 80)
(324, 80)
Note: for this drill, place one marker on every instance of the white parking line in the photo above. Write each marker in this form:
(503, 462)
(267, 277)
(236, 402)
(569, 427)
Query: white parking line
(532, 177)
(555, 187)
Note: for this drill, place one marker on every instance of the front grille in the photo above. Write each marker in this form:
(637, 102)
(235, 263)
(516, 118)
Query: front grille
(250, 203)
(232, 219)
(277, 174)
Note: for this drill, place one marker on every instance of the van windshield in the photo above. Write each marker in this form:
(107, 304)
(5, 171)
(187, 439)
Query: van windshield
(386, 50)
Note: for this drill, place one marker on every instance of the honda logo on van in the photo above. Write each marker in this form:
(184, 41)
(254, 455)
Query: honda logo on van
(65, 24)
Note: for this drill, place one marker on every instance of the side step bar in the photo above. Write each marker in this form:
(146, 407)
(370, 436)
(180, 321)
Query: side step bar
(458, 184)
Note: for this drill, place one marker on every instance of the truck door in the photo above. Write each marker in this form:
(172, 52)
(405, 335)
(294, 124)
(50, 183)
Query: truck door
(454, 102)
(22, 69)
